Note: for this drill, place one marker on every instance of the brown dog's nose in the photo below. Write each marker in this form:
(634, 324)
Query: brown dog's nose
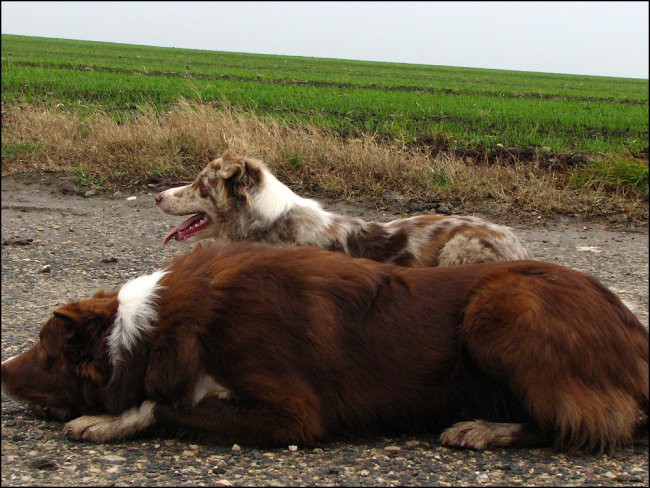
(158, 198)
(6, 373)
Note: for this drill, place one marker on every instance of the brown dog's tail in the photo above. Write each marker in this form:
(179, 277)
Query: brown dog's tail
(569, 349)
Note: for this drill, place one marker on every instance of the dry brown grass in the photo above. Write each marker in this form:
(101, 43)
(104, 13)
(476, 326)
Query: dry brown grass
(174, 146)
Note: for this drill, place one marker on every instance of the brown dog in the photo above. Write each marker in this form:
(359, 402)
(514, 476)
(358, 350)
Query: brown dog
(237, 198)
(276, 345)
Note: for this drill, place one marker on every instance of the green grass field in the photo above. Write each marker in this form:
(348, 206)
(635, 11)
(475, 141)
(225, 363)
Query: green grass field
(520, 143)
(462, 107)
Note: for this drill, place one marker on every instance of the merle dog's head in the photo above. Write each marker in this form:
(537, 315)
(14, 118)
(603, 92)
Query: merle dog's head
(221, 191)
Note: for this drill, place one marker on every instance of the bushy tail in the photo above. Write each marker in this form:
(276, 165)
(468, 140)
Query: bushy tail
(569, 349)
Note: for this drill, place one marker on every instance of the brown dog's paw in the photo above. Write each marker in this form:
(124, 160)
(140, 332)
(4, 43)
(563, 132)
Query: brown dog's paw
(107, 428)
(100, 428)
(479, 434)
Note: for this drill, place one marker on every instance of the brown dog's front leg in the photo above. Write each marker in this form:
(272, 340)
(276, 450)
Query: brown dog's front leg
(245, 422)
(107, 428)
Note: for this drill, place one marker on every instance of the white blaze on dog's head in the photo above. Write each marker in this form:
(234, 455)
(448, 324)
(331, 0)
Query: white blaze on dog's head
(135, 313)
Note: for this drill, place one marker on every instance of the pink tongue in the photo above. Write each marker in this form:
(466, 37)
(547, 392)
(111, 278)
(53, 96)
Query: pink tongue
(177, 232)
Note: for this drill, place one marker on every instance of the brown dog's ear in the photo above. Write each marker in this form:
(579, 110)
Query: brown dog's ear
(67, 312)
(105, 293)
(96, 310)
(86, 323)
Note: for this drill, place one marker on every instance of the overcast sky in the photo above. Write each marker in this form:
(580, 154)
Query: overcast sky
(593, 38)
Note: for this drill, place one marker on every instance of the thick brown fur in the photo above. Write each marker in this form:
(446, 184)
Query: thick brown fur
(276, 345)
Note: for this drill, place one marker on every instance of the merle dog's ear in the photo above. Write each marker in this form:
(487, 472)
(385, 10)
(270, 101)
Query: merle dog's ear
(213, 154)
(242, 175)
(232, 169)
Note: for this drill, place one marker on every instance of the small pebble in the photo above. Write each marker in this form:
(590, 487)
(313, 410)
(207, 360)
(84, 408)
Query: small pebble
(114, 458)
(45, 269)
(236, 448)
(293, 448)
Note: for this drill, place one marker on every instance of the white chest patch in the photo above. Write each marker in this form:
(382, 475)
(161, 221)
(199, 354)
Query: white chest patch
(207, 386)
(135, 313)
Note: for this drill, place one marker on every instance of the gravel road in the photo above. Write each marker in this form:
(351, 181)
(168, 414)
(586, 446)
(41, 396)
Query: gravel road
(59, 247)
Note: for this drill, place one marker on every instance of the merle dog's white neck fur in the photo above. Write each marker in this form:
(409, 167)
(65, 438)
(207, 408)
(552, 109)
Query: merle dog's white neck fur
(274, 199)
(274, 204)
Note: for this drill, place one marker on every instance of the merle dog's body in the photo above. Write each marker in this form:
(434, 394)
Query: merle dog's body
(238, 199)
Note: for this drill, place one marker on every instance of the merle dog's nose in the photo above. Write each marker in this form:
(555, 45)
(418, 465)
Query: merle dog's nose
(159, 198)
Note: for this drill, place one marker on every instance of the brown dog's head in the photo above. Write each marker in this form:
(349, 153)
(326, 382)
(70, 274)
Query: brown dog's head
(219, 193)
(61, 375)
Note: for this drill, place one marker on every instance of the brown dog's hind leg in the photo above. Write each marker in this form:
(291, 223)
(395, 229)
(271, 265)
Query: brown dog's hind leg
(479, 434)
(567, 348)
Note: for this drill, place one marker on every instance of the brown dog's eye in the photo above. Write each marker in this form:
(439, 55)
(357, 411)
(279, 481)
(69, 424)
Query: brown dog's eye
(49, 362)
(46, 359)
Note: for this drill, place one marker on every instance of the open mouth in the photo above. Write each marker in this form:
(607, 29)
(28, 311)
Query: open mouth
(188, 228)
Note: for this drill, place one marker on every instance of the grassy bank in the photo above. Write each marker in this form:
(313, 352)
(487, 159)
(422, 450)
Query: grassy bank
(173, 147)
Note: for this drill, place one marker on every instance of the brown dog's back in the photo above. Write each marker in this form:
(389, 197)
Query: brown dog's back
(370, 344)
(265, 345)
